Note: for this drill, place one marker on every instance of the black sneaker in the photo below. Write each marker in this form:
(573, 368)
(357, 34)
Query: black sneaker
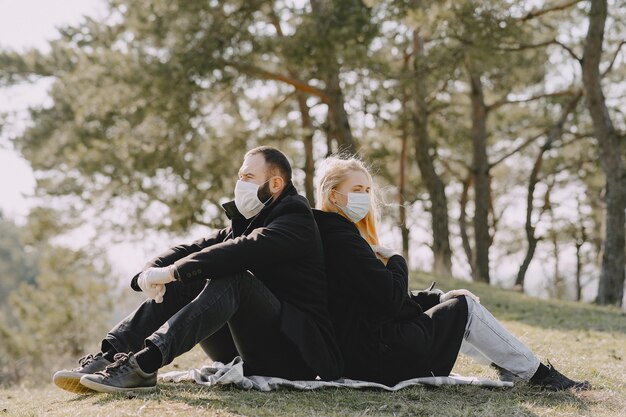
(69, 380)
(556, 381)
(505, 375)
(122, 375)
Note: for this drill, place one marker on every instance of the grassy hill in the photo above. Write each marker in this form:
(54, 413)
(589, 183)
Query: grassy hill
(583, 341)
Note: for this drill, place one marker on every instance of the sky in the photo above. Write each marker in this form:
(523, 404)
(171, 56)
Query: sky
(26, 24)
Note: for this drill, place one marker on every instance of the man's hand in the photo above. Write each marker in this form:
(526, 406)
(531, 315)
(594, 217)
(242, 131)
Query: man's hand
(152, 281)
(157, 275)
(458, 293)
(154, 292)
(384, 251)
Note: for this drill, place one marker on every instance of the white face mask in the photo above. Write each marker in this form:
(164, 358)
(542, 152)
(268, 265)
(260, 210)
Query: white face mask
(247, 199)
(358, 206)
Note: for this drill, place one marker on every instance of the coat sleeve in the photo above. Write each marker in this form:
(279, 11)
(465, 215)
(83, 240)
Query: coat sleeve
(425, 299)
(382, 288)
(180, 251)
(285, 239)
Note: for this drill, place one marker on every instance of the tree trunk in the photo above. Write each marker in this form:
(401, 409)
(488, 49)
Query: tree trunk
(404, 132)
(480, 171)
(558, 279)
(309, 163)
(467, 246)
(329, 142)
(579, 268)
(442, 253)
(307, 125)
(611, 286)
(555, 133)
(530, 252)
(337, 115)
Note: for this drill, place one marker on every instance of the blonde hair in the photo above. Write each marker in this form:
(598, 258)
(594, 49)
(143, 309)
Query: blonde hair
(335, 170)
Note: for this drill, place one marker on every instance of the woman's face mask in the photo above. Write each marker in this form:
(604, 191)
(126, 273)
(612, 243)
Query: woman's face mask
(357, 207)
(247, 198)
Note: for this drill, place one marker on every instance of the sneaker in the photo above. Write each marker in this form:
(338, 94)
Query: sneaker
(505, 375)
(69, 380)
(556, 381)
(122, 375)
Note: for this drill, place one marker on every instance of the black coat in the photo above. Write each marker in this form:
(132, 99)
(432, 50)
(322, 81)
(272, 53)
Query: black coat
(282, 247)
(385, 335)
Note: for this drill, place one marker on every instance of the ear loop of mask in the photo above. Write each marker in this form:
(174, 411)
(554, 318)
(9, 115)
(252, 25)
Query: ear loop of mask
(343, 194)
(271, 195)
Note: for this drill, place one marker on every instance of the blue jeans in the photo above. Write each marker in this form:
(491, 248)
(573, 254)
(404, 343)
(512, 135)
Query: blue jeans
(487, 341)
(228, 316)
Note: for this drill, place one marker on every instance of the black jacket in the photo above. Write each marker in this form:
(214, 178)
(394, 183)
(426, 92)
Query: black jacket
(282, 247)
(382, 331)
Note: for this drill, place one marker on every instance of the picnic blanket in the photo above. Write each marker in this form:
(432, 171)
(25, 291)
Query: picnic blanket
(232, 373)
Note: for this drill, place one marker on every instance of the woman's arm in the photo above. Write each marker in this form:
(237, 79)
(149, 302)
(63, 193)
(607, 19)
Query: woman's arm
(382, 289)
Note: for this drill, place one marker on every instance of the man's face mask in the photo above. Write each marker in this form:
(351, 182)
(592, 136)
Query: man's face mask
(247, 197)
(357, 207)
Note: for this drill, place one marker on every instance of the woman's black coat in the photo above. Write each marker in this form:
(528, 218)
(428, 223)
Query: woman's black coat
(384, 334)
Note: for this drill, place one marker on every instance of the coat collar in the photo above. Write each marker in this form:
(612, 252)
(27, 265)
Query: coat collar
(328, 220)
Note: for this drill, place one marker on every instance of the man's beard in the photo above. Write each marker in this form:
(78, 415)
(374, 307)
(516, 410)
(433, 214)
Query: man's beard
(264, 193)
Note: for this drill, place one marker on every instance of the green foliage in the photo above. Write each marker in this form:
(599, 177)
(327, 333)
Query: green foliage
(60, 315)
(152, 104)
(339, 29)
(17, 261)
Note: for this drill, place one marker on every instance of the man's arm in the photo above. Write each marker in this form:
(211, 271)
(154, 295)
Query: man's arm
(285, 239)
(180, 251)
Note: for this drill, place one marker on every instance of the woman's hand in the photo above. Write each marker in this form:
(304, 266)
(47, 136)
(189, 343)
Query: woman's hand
(458, 293)
(384, 251)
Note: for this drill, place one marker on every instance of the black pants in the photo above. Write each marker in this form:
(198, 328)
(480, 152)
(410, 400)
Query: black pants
(228, 316)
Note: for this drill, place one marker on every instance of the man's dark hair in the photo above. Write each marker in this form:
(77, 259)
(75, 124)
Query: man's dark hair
(276, 161)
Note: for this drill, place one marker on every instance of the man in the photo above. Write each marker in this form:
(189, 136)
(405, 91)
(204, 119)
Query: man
(256, 289)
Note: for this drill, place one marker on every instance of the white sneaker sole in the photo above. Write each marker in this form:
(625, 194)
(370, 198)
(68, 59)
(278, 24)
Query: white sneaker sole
(96, 386)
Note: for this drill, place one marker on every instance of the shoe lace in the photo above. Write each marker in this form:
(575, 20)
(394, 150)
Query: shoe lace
(86, 360)
(120, 363)
(554, 374)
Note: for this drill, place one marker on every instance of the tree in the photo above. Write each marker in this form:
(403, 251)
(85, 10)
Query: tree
(454, 103)
(442, 253)
(487, 42)
(59, 314)
(611, 287)
(552, 135)
(17, 261)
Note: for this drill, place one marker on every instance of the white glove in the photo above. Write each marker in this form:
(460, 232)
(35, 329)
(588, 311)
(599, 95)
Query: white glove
(152, 282)
(154, 292)
(384, 251)
(161, 292)
(158, 275)
(458, 293)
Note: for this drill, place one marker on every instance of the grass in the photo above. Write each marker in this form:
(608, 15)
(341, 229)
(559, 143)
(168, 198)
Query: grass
(583, 341)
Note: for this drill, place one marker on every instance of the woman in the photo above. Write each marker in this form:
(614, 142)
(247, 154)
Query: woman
(387, 335)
